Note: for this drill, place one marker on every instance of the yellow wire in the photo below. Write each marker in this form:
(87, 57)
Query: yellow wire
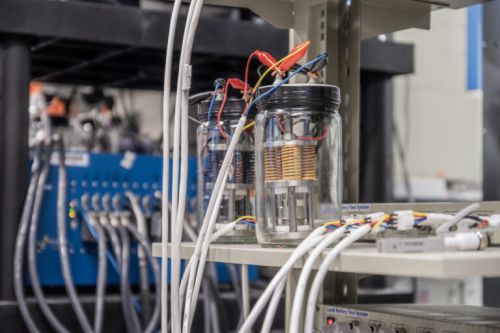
(276, 64)
(250, 124)
(269, 70)
(246, 217)
(382, 220)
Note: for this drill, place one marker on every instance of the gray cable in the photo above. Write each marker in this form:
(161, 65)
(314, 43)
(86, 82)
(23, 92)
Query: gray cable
(235, 281)
(142, 260)
(156, 271)
(20, 244)
(101, 278)
(63, 242)
(115, 242)
(32, 260)
(129, 314)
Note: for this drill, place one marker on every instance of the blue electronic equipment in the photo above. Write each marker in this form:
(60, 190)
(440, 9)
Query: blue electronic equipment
(89, 174)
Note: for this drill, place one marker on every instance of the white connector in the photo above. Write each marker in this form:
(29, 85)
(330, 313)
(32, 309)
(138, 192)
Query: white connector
(405, 219)
(466, 241)
(494, 220)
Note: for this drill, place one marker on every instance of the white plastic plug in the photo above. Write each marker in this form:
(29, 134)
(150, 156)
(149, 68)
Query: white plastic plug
(405, 220)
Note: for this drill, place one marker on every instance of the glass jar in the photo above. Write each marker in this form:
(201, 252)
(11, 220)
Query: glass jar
(298, 138)
(239, 192)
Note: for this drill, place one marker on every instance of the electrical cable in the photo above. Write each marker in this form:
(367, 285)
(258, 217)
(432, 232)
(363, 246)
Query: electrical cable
(235, 282)
(143, 242)
(131, 320)
(21, 242)
(169, 54)
(301, 287)
(245, 290)
(457, 218)
(315, 288)
(109, 227)
(101, 277)
(179, 153)
(272, 307)
(187, 269)
(141, 256)
(63, 241)
(214, 97)
(32, 259)
(308, 243)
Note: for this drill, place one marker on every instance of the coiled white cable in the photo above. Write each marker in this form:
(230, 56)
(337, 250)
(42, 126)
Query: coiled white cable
(355, 235)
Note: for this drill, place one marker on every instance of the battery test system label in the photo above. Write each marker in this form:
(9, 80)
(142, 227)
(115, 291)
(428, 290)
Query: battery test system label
(347, 312)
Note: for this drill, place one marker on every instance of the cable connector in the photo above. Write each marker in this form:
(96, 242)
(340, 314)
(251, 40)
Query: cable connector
(405, 219)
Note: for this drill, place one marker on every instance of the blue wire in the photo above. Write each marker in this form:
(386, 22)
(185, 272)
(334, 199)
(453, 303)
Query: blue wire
(109, 255)
(214, 97)
(270, 91)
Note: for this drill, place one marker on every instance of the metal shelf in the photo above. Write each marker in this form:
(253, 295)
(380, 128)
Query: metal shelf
(363, 258)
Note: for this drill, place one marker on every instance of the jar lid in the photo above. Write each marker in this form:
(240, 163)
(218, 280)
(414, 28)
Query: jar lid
(301, 97)
(232, 110)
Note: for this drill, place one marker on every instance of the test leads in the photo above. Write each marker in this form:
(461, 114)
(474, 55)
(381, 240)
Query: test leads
(212, 143)
(298, 142)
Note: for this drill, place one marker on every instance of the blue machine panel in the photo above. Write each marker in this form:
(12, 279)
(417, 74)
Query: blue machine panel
(103, 174)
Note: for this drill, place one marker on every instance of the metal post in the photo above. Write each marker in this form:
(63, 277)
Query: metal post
(14, 96)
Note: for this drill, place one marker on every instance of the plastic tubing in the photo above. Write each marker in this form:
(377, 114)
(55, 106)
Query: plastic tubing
(355, 235)
(63, 242)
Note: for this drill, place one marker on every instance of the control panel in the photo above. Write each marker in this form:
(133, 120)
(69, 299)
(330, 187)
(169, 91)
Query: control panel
(402, 318)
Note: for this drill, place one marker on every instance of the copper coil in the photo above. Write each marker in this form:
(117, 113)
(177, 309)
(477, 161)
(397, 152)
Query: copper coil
(249, 168)
(211, 166)
(238, 168)
(309, 162)
(272, 163)
(291, 160)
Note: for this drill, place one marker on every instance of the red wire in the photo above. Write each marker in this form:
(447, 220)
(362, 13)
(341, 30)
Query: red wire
(219, 114)
(247, 69)
(315, 138)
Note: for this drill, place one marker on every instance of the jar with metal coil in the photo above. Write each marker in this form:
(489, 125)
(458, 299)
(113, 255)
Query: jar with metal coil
(298, 141)
(212, 144)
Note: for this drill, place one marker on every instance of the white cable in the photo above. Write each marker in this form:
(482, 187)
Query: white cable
(311, 241)
(222, 231)
(272, 307)
(181, 123)
(166, 161)
(198, 260)
(323, 270)
(458, 217)
(245, 290)
(140, 219)
(300, 290)
(209, 221)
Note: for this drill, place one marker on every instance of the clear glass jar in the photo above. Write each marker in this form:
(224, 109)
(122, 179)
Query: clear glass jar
(298, 141)
(239, 193)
